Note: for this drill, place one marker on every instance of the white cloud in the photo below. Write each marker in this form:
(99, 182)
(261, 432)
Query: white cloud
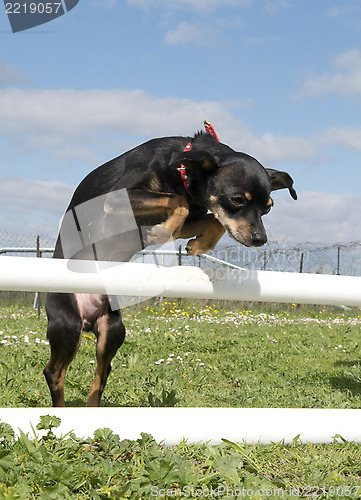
(349, 137)
(18, 194)
(275, 5)
(77, 124)
(54, 119)
(238, 103)
(10, 76)
(258, 40)
(69, 122)
(345, 81)
(275, 149)
(186, 33)
(27, 204)
(346, 8)
(316, 216)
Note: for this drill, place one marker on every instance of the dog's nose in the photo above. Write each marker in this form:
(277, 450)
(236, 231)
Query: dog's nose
(258, 239)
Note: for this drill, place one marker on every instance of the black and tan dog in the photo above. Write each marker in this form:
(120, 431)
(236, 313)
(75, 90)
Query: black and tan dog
(176, 187)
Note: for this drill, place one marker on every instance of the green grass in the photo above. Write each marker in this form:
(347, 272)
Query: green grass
(222, 355)
(229, 357)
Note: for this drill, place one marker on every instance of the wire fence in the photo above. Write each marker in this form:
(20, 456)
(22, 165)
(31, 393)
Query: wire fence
(307, 257)
(26, 245)
(276, 255)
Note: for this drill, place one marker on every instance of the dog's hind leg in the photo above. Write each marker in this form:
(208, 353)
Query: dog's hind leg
(64, 335)
(110, 334)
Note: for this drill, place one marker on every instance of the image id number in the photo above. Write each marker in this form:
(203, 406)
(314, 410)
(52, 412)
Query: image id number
(33, 8)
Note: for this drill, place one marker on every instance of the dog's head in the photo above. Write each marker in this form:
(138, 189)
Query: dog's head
(235, 187)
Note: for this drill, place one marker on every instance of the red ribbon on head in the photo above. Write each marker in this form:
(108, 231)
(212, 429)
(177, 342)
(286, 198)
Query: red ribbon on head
(210, 130)
(182, 169)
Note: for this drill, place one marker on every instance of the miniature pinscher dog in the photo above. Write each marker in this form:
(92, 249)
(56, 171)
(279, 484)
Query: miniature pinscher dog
(176, 187)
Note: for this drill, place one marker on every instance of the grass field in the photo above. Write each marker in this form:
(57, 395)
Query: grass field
(210, 355)
(179, 353)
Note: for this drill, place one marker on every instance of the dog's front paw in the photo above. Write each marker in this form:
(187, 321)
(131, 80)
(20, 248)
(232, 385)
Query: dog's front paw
(194, 247)
(158, 234)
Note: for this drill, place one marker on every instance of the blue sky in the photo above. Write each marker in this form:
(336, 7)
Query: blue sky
(279, 80)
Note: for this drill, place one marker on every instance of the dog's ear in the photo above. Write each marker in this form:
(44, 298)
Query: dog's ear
(281, 180)
(194, 160)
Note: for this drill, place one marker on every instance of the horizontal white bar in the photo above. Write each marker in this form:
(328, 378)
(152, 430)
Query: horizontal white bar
(135, 279)
(171, 425)
(174, 253)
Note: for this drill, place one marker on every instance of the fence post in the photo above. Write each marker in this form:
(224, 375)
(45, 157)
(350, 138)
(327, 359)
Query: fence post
(180, 255)
(225, 253)
(338, 259)
(38, 254)
(301, 263)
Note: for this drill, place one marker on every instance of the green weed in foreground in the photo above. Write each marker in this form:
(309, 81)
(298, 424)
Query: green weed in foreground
(104, 467)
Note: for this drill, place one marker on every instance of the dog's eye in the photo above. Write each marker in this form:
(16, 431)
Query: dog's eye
(269, 206)
(238, 200)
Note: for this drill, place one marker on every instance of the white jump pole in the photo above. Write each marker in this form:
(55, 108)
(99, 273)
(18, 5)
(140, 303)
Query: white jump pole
(171, 425)
(135, 279)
